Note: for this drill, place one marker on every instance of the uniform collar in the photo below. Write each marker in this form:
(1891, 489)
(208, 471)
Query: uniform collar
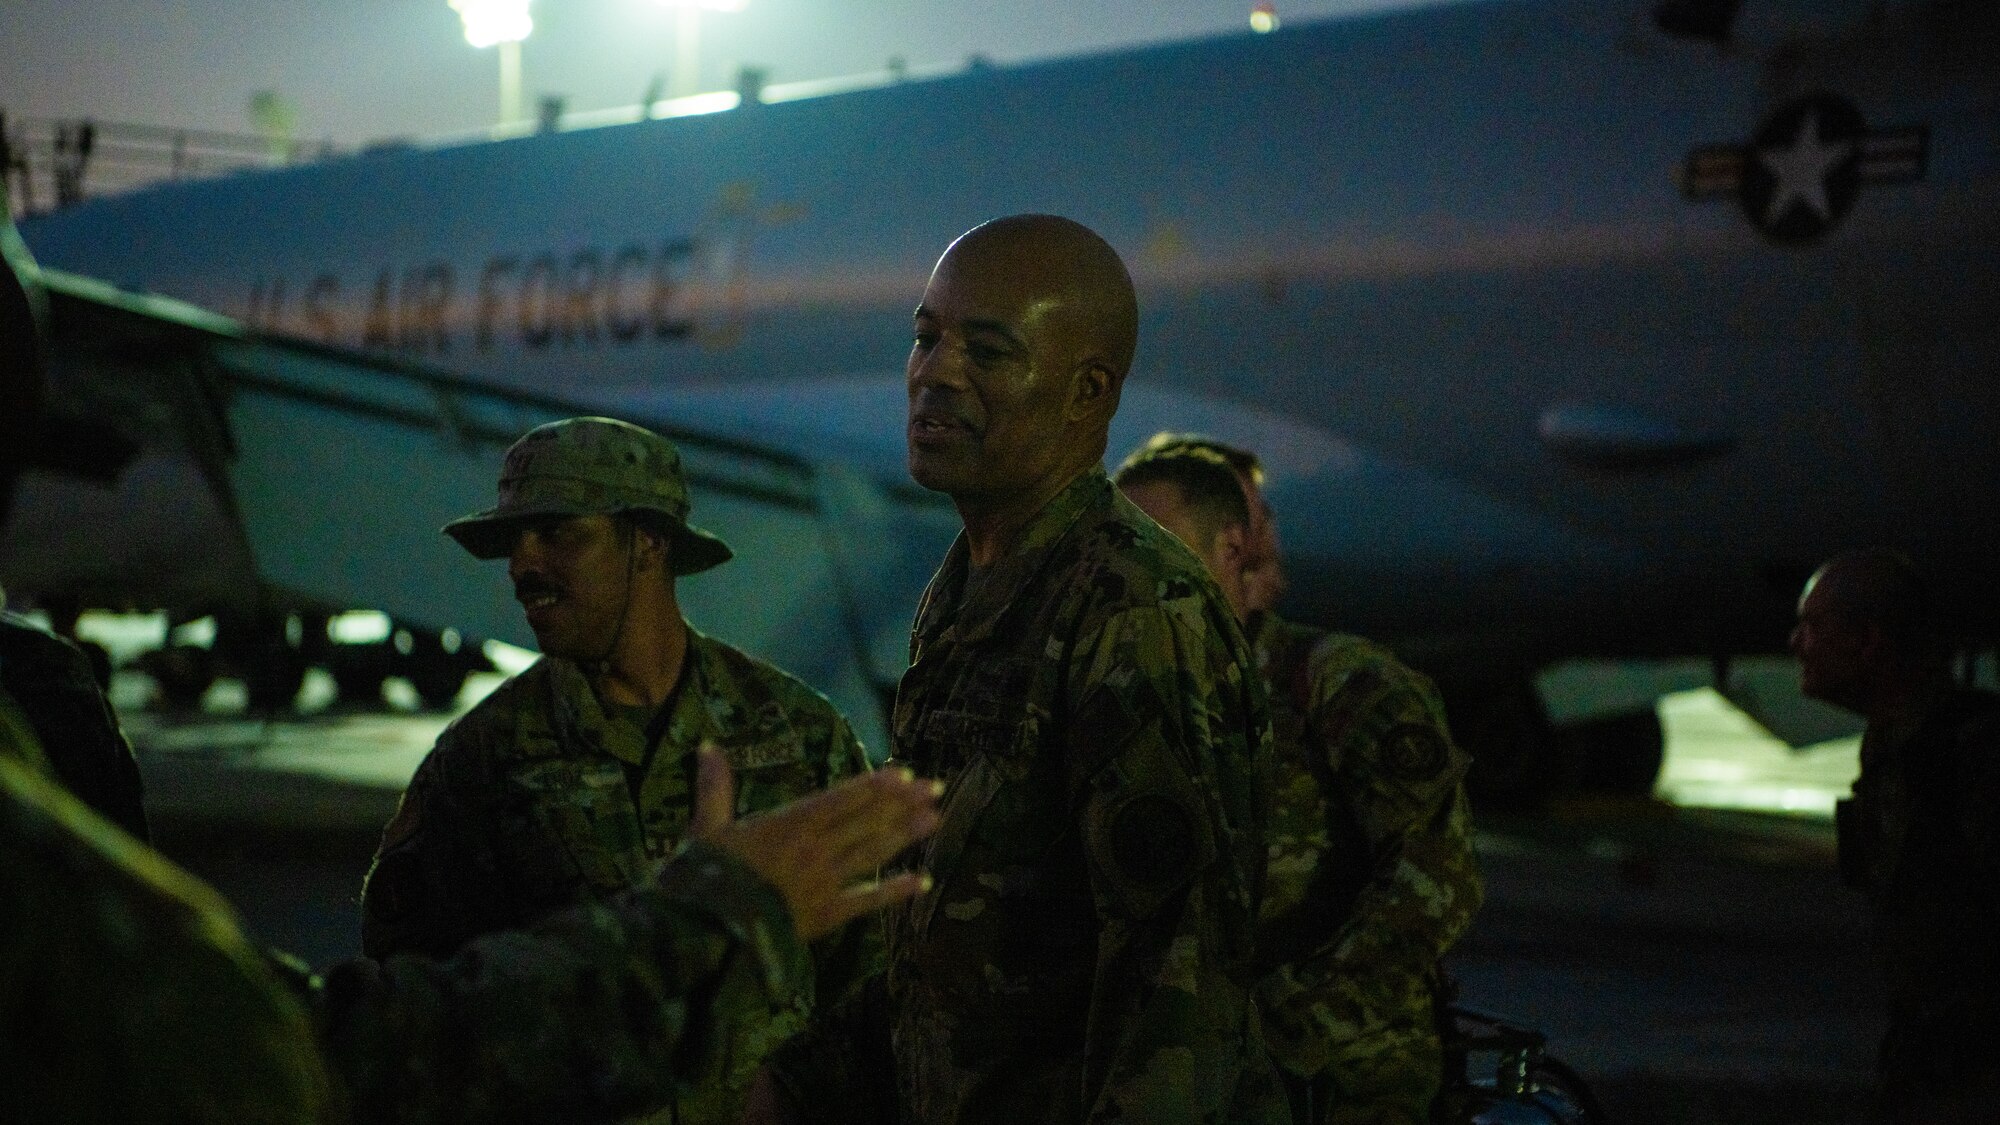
(581, 720)
(971, 603)
(706, 705)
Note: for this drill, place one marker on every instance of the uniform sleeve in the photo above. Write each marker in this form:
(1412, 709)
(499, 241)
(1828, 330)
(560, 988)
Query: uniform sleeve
(587, 1016)
(1382, 732)
(842, 1058)
(435, 882)
(127, 990)
(842, 1069)
(845, 959)
(1165, 735)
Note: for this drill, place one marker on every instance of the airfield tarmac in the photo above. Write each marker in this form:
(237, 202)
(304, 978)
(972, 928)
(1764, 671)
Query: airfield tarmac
(1693, 956)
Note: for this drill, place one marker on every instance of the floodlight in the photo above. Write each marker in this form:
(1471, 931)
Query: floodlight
(491, 22)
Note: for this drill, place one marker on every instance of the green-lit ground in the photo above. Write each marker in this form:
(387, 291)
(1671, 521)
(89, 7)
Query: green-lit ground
(1718, 758)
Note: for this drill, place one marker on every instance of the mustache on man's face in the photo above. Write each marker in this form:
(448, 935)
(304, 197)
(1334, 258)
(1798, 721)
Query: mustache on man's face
(535, 586)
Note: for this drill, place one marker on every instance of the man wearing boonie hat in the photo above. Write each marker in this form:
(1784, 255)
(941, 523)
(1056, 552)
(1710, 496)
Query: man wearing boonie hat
(573, 781)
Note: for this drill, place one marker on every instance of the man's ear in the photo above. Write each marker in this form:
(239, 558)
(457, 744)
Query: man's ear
(653, 546)
(1232, 544)
(1236, 562)
(1094, 390)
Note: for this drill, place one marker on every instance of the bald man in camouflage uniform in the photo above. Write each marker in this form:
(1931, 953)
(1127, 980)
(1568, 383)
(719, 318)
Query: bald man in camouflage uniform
(1372, 876)
(572, 781)
(129, 994)
(1078, 682)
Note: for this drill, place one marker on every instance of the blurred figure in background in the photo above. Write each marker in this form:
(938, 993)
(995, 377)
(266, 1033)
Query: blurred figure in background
(1921, 834)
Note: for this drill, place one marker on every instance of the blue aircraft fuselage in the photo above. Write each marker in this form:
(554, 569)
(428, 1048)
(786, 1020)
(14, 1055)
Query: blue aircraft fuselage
(1539, 314)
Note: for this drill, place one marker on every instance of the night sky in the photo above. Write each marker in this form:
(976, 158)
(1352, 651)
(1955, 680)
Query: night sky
(356, 71)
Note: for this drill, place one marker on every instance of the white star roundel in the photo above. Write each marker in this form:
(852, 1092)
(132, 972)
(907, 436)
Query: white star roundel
(1804, 168)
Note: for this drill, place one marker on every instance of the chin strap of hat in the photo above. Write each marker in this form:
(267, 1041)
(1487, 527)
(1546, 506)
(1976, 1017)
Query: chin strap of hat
(603, 662)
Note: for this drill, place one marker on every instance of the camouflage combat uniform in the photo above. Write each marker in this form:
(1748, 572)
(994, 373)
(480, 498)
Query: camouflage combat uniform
(1084, 954)
(56, 693)
(1921, 837)
(538, 799)
(128, 994)
(1371, 875)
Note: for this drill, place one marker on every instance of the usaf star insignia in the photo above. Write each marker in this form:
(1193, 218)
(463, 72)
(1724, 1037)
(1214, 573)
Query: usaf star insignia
(1803, 169)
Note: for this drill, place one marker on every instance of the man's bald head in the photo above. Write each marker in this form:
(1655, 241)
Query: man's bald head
(1866, 638)
(1879, 588)
(1023, 340)
(1067, 263)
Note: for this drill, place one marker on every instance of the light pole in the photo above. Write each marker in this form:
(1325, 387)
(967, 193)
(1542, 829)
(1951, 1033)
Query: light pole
(687, 40)
(502, 24)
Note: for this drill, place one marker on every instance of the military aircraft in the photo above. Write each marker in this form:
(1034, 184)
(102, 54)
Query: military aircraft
(272, 481)
(1567, 327)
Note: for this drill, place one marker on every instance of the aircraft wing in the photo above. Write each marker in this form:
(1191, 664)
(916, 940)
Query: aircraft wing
(292, 473)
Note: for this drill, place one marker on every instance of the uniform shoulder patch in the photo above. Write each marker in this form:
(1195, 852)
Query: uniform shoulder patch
(1145, 847)
(1415, 752)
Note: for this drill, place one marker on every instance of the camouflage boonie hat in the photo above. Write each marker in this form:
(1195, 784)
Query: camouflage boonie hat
(590, 467)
